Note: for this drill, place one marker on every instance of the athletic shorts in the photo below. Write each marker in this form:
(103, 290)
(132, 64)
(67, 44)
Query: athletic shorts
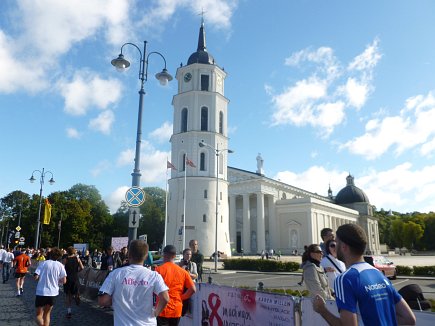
(19, 275)
(42, 301)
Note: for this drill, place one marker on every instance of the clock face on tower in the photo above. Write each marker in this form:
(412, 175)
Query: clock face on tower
(187, 77)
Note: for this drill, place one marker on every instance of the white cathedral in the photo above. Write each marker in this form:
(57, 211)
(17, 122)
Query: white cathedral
(251, 211)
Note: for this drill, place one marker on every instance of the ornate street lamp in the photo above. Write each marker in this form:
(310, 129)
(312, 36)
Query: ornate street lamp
(32, 179)
(164, 77)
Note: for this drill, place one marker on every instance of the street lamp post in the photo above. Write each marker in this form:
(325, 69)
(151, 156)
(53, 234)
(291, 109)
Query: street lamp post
(32, 179)
(164, 77)
(217, 153)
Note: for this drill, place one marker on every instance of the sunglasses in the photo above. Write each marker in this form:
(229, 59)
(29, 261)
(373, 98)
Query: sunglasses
(318, 251)
(332, 245)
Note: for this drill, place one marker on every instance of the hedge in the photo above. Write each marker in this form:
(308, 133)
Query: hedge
(260, 265)
(416, 270)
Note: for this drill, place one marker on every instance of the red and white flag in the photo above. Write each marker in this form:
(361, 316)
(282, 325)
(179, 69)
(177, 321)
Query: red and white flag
(169, 165)
(190, 163)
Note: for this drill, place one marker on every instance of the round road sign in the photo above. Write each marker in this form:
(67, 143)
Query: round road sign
(135, 197)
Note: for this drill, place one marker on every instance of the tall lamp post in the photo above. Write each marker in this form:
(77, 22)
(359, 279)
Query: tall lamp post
(32, 179)
(164, 77)
(217, 153)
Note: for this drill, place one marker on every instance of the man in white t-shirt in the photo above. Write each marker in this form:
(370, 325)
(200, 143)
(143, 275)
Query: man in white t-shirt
(48, 274)
(129, 290)
(7, 259)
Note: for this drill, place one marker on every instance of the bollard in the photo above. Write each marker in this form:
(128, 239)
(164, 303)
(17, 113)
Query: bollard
(260, 286)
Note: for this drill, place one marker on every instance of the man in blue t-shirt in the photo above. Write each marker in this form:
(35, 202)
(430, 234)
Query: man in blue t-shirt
(364, 296)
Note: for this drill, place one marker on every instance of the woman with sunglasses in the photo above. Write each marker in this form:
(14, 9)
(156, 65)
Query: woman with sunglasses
(314, 275)
(332, 265)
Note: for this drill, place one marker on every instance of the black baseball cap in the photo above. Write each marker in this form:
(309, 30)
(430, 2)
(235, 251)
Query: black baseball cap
(170, 249)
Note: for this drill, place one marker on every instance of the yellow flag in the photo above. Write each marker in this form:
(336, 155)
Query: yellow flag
(47, 212)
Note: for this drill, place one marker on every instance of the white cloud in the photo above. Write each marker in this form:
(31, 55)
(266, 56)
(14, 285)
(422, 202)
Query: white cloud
(152, 162)
(324, 58)
(413, 127)
(103, 122)
(163, 133)
(46, 30)
(356, 92)
(87, 90)
(113, 200)
(367, 60)
(100, 168)
(296, 104)
(315, 179)
(53, 27)
(217, 12)
(400, 188)
(73, 133)
(321, 99)
(16, 75)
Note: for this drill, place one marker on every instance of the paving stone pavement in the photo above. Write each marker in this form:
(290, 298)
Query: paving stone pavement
(20, 311)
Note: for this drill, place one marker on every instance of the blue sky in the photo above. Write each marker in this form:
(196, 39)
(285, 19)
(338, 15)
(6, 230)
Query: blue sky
(319, 88)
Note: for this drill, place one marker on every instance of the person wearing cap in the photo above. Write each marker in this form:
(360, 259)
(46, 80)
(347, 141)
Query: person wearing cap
(129, 290)
(363, 294)
(177, 279)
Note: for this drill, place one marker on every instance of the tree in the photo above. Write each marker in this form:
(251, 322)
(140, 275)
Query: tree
(397, 233)
(412, 232)
(153, 216)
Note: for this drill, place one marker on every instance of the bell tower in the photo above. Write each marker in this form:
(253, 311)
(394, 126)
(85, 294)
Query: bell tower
(200, 116)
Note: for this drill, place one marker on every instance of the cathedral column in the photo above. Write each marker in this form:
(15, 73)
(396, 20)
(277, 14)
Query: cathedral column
(261, 237)
(233, 221)
(273, 234)
(246, 224)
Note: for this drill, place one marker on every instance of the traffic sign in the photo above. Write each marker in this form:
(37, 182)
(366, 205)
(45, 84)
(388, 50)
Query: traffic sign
(17, 235)
(18, 228)
(135, 197)
(133, 218)
(22, 239)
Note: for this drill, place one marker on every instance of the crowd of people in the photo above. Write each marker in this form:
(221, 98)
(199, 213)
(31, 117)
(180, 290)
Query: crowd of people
(336, 270)
(131, 282)
(332, 270)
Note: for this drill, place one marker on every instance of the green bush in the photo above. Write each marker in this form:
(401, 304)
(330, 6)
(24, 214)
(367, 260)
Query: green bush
(403, 270)
(260, 265)
(424, 270)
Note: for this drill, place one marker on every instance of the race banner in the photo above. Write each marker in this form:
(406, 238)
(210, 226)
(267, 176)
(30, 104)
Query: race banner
(91, 280)
(215, 305)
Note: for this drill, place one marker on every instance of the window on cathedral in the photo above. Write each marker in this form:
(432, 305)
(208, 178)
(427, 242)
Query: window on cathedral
(183, 162)
(182, 218)
(204, 218)
(205, 193)
(202, 162)
(205, 82)
(222, 219)
(220, 195)
(221, 164)
(221, 122)
(184, 120)
(204, 119)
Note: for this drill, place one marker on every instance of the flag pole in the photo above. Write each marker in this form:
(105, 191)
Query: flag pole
(166, 206)
(184, 204)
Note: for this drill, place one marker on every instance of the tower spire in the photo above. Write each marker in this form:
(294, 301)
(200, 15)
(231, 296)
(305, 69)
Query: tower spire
(201, 38)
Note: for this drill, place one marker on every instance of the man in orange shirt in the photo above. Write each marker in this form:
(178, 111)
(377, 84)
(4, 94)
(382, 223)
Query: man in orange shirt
(21, 263)
(177, 279)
